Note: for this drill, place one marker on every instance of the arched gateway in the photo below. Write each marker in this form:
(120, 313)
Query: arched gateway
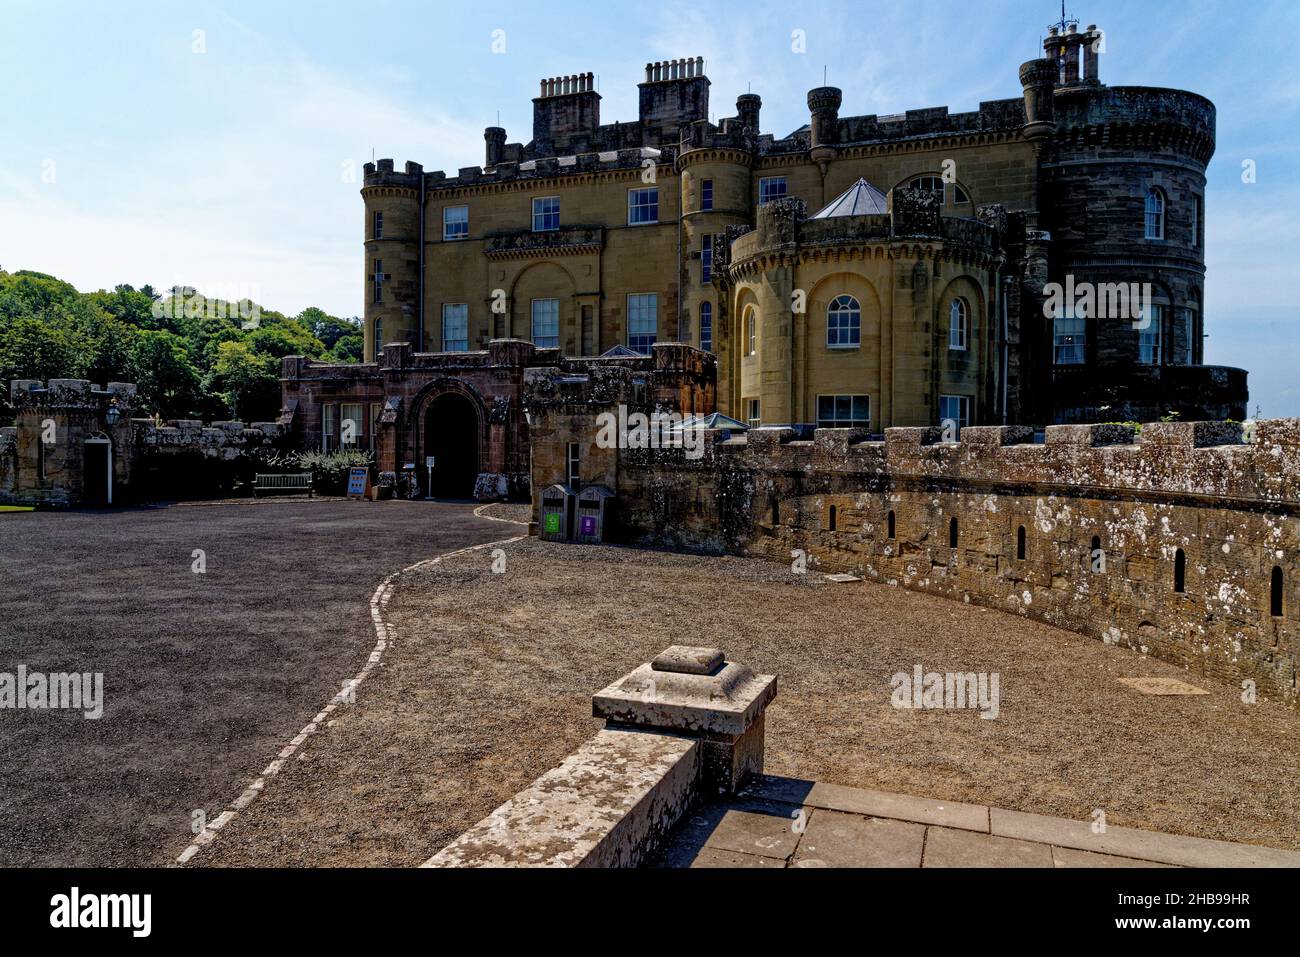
(452, 432)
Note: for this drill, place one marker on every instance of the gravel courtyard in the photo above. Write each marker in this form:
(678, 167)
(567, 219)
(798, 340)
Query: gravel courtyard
(206, 676)
(489, 679)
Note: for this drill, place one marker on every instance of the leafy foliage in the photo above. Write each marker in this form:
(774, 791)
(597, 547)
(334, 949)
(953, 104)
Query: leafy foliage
(191, 357)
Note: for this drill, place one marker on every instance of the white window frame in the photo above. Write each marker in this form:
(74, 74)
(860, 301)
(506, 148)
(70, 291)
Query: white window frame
(751, 331)
(573, 466)
(329, 425)
(635, 205)
(850, 421)
(706, 322)
(963, 410)
(547, 340)
(1154, 207)
(753, 413)
(455, 318)
(1150, 339)
(706, 194)
(448, 233)
(545, 214)
(642, 314)
(377, 230)
(766, 189)
(706, 258)
(358, 424)
(846, 331)
(958, 324)
(1069, 339)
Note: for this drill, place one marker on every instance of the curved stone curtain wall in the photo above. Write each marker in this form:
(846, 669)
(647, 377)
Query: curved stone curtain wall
(1106, 514)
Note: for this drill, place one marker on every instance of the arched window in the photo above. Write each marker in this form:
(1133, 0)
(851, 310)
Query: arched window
(830, 518)
(751, 332)
(958, 324)
(952, 533)
(935, 184)
(706, 326)
(1180, 571)
(1275, 593)
(843, 323)
(1155, 213)
(892, 531)
(379, 336)
(1020, 543)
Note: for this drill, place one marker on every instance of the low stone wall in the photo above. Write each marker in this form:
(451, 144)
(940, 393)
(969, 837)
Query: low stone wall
(684, 728)
(1179, 540)
(43, 457)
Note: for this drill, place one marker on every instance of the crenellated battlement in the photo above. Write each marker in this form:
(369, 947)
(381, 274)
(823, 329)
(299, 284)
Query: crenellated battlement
(1180, 540)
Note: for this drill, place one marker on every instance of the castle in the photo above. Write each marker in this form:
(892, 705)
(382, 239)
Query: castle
(861, 271)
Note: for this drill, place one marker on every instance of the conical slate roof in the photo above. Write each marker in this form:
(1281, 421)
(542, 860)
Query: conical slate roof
(860, 199)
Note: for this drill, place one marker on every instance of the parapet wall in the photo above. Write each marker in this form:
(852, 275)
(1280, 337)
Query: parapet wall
(1179, 540)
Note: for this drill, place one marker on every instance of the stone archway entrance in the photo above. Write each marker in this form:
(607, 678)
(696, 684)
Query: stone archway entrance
(451, 436)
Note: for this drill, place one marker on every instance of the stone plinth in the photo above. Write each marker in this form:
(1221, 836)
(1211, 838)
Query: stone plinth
(696, 692)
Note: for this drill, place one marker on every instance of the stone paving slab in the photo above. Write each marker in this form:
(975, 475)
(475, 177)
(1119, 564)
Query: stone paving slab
(834, 839)
(1068, 857)
(836, 797)
(948, 847)
(1144, 845)
(787, 822)
(764, 828)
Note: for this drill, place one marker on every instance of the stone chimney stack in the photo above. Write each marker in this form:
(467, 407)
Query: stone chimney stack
(1064, 49)
(1093, 41)
(675, 94)
(566, 114)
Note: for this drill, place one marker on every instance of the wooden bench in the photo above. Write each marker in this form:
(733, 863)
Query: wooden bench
(292, 482)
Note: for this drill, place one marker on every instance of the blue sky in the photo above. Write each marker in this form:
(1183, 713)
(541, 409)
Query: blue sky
(130, 157)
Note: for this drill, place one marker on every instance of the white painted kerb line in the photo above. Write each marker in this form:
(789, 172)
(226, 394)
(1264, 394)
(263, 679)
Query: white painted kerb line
(384, 636)
(478, 513)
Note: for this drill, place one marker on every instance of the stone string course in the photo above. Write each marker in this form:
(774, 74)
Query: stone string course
(1226, 495)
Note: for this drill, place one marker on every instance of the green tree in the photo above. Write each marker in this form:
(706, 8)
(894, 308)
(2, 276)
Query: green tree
(247, 382)
(167, 381)
(328, 329)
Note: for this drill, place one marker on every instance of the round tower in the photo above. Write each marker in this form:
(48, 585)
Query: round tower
(1123, 199)
(392, 260)
(714, 170)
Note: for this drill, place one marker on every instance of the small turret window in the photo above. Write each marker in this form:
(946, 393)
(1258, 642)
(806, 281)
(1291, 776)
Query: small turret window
(379, 225)
(843, 323)
(706, 326)
(751, 332)
(706, 194)
(1155, 213)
